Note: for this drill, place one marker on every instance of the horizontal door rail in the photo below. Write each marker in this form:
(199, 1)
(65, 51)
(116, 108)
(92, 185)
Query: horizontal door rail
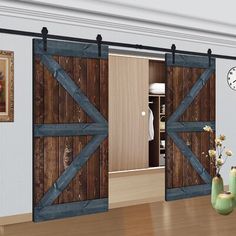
(190, 126)
(115, 44)
(72, 129)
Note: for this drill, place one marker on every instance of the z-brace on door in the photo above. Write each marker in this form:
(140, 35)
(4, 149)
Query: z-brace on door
(70, 130)
(190, 105)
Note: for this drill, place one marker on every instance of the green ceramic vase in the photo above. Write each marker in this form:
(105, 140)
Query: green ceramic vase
(224, 203)
(216, 188)
(232, 183)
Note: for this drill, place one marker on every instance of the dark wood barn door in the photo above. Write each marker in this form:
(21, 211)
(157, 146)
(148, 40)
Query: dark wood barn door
(70, 151)
(190, 105)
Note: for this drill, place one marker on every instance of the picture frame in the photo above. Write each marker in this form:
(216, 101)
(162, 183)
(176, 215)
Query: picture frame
(6, 86)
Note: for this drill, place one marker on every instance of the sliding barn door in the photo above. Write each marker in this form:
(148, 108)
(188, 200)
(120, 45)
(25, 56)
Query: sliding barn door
(190, 105)
(70, 130)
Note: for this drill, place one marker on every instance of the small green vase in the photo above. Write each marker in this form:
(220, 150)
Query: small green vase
(216, 188)
(224, 203)
(232, 183)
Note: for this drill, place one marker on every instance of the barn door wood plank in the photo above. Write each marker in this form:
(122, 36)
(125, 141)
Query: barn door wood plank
(185, 126)
(169, 142)
(80, 78)
(93, 94)
(104, 145)
(188, 61)
(60, 184)
(38, 142)
(71, 209)
(75, 164)
(66, 116)
(190, 126)
(192, 94)
(177, 157)
(62, 77)
(70, 129)
(195, 116)
(191, 157)
(187, 136)
(84, 50)
(51, 92)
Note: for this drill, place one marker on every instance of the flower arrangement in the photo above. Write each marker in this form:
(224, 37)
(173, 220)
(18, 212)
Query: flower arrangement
(217, 153)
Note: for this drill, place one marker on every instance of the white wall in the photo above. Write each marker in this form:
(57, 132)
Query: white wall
(226, 112)
(16, 138)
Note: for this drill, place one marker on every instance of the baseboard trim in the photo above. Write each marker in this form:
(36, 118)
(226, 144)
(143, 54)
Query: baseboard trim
(15, 219)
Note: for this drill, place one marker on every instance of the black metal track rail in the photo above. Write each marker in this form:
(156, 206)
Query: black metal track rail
(172, 50)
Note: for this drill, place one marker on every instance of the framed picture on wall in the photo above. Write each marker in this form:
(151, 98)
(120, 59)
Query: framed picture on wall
(6, 86)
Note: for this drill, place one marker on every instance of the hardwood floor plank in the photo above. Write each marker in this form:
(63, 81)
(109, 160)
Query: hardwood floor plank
(183, 217)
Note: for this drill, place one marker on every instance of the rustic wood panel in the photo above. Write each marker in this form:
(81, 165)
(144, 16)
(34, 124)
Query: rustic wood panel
(104, 145)
(187, 137)
(177, 164)
(80, 78)
(93, 94)
(54, 106)
(195, 109)
(169, 142)
(66, 116)
(51, 165)
(38, 142)
(202, 109)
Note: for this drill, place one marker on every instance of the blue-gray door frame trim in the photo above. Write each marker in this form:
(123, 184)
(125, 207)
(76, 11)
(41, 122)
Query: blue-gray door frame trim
(99, 130)
(173, 126)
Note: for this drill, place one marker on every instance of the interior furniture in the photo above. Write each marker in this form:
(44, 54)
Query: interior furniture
(129, 79)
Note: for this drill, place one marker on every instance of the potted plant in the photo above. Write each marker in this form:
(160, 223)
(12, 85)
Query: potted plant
(218, 155)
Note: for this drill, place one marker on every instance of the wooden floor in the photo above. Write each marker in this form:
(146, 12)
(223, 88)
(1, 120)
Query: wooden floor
(184, 217)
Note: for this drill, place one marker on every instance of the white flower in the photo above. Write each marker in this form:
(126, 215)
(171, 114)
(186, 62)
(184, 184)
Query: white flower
(218, 142)
(207, 128)
(228, 153)
(219, 162)
(212, 153)
(222, 137)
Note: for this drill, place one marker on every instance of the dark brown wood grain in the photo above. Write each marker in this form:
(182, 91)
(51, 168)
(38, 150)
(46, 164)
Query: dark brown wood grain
(93, 93)
(80, 78)
(54, 105)
(187, 136)
(177, 156)
(51, 165)
(104, 145)
(201, 109)
(195, 109)
(66, 116)
(169, 142)
(38, 142)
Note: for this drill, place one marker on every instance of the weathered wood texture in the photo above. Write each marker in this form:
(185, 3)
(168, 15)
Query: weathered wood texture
(53, 105)
(181, 78)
